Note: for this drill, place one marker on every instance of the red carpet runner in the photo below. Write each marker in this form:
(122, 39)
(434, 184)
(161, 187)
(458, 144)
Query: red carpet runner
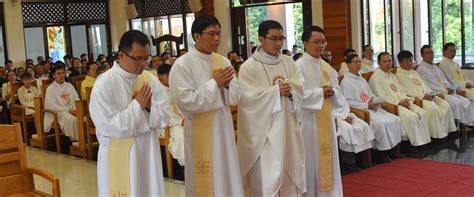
(411, 177)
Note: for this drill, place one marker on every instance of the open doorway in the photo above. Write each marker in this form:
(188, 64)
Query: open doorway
(292, 15)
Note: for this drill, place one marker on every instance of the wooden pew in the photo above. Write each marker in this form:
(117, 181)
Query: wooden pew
(17, 111)
(91, 138)
(16, 179)
(78, 148)
(169, 158)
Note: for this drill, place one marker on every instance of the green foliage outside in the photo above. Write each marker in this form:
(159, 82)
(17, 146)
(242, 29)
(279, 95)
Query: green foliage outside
(258, 14)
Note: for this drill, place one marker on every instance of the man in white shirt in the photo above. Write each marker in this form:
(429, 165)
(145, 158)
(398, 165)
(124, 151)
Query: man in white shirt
(368, 64)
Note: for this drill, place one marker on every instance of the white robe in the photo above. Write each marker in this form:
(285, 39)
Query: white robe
(270, 147)
(440, 116)
(449, 67)
(60, 98)
(343, 69)
(353, 137)
(176, 144)
(388, 128)
(414, 119)
(116, 115)
(312, 102)
(367, 66)
(194, 92)
(463, 110)
(27, 98)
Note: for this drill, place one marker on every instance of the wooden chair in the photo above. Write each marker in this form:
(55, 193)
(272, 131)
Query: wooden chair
(15, 178)
(169, 159)
(17, 111)
(41, 139)
(78, 148)
(90, 128)
(78, 82)
(167, 38)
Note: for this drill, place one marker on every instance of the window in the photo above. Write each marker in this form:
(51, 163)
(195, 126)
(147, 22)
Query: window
(166, 25)
(58, 28)
(420, 22)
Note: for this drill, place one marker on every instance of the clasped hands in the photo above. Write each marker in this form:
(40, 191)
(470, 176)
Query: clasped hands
(143, 97)
(224, 76)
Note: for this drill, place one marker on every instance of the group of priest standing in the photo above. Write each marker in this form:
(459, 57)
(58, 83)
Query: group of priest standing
(290, 115)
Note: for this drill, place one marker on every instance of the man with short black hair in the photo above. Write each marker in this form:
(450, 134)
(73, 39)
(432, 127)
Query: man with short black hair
(463, 110)
(368, 64)
(321, 96)
(60, 97)
(272, 159)
(440, 116)
(343, 69)
(128, 105)
(203, 86)
(453, 71)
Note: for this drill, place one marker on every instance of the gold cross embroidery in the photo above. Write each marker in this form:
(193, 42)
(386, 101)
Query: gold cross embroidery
(120, 194)
(325, 149)
(202, 167)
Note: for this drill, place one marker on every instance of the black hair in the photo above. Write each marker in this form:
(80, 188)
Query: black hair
(130, 37)
(88, 66)
(349, 50)
(350, 57)
(164, 69)
(426, 46)
(404, 54)
(27, 76)
(253, 49)
(297, 56)
(57, 67)
(8, 61)
(265, 26)
(230, 52)
(284, 51)
(379, 57)
(82, 55)
(308, 30)
(66, 57)
(365, 47)
(447, 45)
(202, 22)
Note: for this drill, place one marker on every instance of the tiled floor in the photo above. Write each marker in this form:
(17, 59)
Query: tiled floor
(78, 177)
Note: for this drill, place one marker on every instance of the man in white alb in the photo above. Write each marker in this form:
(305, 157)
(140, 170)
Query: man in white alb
(203, 86)
(271, 152)
(127, 106)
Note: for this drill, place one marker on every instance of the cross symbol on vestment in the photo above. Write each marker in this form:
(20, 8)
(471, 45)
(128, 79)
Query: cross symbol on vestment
(202, 167)
(120, 194)
(325, 149)
(65, 96)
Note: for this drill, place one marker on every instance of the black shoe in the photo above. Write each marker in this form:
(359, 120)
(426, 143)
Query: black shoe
(384, 158)
(351, 168)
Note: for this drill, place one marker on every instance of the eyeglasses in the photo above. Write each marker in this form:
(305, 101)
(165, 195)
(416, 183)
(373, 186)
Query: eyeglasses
(275, 39)
(356, 62)
(138, 59)
(320, 42)
(213, 33)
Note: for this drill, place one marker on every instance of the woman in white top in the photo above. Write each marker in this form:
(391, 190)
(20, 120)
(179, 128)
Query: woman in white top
(6, 87)
(27, 94)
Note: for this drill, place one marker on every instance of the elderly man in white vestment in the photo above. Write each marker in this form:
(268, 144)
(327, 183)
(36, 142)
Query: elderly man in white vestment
(270, 147)
(127, 106)
(203, 86)
(60, 97)
(323, 176)
(414, 118)
(387, 127)
(440, 116)
(368, 64)
(463, 110)
(453, 71)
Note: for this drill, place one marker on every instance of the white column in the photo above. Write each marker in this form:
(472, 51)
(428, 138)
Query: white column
(118, 21)
(356, 26)
(222, 13)
(14, 32)
(317, 11)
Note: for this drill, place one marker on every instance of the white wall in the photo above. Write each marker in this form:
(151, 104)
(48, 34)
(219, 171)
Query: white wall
(222, 13)
(118, 21)
(14, 32)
